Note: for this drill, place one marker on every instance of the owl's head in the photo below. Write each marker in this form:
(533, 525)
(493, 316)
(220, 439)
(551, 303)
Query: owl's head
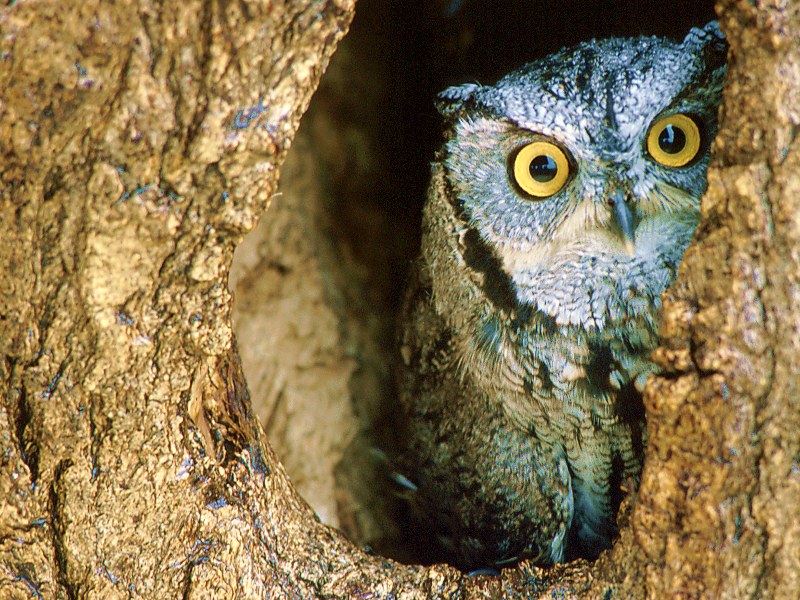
(582, 172)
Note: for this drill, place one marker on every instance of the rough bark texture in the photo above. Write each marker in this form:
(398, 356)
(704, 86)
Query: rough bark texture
(141, 141)
(719, 505)
(316, 284)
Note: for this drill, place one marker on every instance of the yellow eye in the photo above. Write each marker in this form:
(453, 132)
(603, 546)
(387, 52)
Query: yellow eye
(674, 141)
(541, 169)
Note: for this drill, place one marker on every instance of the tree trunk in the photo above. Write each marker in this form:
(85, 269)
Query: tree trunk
(719, 504)
(141, 141)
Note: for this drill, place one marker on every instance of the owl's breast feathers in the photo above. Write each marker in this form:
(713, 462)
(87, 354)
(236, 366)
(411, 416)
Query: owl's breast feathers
(550, 326)
(569, 390)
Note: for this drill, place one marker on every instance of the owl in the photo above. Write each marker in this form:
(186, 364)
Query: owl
(560, 205)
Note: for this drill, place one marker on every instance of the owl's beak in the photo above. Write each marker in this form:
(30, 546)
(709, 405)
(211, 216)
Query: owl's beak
(625, 221)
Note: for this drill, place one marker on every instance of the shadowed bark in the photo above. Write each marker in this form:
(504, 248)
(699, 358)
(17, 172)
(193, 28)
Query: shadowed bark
(141, 141)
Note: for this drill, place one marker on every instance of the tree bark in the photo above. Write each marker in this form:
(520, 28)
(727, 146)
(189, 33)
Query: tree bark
(719, 505)
(141, 141)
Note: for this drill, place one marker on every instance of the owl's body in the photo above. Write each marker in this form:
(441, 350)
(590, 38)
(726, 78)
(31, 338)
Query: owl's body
(558, 212)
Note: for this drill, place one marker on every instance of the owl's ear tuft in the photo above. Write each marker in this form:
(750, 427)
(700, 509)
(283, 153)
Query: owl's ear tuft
(450, 101)
(710, 42)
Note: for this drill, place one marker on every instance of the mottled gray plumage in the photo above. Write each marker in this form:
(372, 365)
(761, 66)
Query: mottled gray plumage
(530, 321)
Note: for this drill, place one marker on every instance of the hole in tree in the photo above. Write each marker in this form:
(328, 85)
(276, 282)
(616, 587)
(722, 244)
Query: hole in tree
(319, 283)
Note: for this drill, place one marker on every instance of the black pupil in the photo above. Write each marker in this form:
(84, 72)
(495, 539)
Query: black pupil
(543, 168)
(672, 139)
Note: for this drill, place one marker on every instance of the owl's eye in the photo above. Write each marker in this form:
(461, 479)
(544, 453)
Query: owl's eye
(674, 141)
(540, 169)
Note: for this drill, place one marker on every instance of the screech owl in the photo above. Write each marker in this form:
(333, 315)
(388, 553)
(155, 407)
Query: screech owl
(559, 209)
